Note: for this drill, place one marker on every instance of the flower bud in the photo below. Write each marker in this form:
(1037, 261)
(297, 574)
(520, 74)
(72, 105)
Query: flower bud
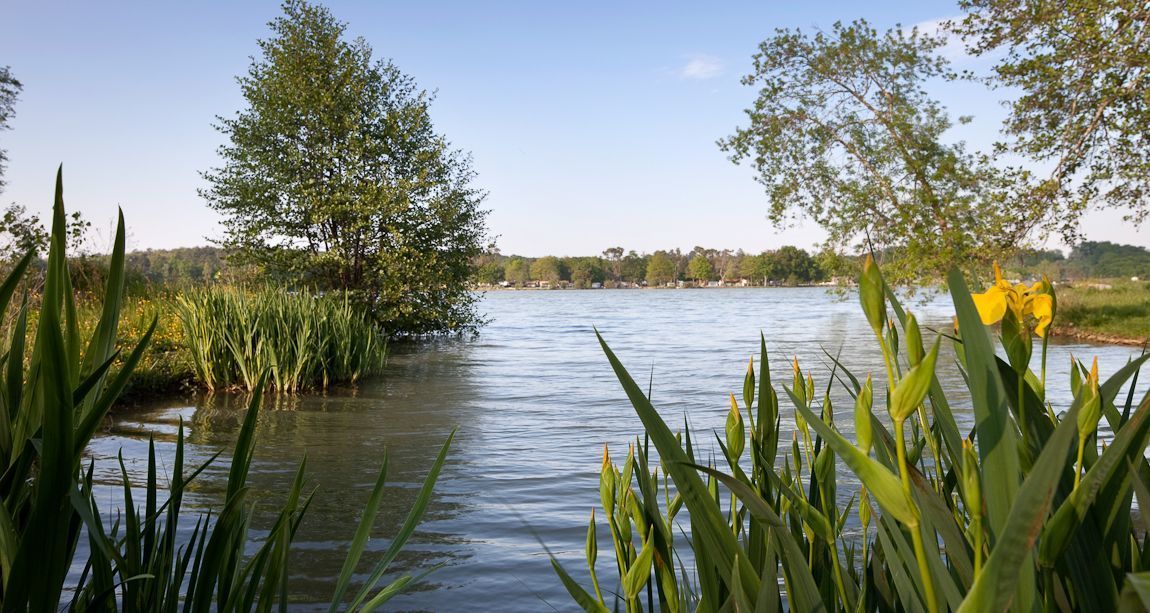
(749, 384)
(914, 352)
(863, 428)
(736, 435)
(871, 295)
(1091, 411)
(971, 486)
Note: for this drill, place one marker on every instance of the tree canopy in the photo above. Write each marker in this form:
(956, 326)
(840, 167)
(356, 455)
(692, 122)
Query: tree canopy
(1081, 70)
(334, 177)
(700, 269)
(844, 132)
(9, 92)
(660, 269)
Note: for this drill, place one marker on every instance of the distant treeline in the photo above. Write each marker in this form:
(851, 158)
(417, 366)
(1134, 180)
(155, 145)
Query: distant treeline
(1088, 260)
(190, 266)
(616, 267)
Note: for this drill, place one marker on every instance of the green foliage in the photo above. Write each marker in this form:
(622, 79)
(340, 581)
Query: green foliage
(302, 341)
(844, 132)
(9, 93)
(1080, 72)
(489, 273)
(1087, 260)
(1029, 511)
(700, 269)
(55, 390)
(583, 272)
(21, 232)
(180, 267)
(334, 177)
(547, 269)
(518, 271)
(660, 269)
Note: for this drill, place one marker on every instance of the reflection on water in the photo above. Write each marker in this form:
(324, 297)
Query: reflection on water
(534, 400)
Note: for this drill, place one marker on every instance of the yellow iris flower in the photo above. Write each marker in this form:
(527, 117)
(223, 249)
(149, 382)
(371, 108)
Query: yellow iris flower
(1023, 301)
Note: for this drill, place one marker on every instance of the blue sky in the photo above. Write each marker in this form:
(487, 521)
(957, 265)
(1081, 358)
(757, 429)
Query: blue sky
(591, 124)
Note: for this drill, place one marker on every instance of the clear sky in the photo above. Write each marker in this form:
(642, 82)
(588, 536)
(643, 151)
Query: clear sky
(592, 124)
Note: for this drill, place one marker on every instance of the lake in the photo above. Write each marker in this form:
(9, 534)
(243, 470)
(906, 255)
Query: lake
(534, 400)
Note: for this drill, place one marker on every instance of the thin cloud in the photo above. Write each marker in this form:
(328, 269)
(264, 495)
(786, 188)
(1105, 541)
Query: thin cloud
(701, 67)
(953, 49)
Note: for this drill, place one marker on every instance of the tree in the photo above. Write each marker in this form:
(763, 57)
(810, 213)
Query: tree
(1082, 69)
(586, 271)
(699, 268)
(9, 92)
(517, 271)
(489, 273)
(794, 265)
(634, 268)
(21, 232)
(757, 268)
(333, 176)
(843, 132)
(614, 257)
(660, 269)
(547, 269)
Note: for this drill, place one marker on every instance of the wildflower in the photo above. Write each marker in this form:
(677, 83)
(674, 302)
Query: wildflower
(1022, 301)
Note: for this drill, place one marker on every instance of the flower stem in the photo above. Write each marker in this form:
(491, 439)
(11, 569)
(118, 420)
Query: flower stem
(915, 530)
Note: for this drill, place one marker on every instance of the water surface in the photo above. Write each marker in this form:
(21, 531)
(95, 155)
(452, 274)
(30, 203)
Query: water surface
(534, 400)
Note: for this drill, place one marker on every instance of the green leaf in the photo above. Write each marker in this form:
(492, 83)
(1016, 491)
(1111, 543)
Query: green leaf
(1002, 578)
(706, 519)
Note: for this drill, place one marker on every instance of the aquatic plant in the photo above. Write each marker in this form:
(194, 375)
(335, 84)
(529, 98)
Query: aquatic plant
(1034, 508)
(55, 390)
(304, 341)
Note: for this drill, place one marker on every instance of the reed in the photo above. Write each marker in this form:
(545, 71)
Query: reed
(304, 341)
(1028, 511)
(56, 387)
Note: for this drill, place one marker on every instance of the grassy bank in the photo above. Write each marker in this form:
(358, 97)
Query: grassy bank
(1109, 311)
(222, 338)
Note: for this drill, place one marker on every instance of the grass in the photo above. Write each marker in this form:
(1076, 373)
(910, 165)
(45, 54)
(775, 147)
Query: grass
(1028, 511)
(56, 386)
(304, 341)
(1120, 312)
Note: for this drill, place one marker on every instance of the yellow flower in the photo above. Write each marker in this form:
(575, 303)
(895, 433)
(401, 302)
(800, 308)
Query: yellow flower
(1023, 301)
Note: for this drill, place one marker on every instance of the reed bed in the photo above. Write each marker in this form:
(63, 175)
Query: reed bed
(304, 341)
(1026, 512)
(56, 387)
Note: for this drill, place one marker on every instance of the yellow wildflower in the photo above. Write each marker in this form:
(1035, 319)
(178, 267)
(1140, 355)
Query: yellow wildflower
(1023, 301)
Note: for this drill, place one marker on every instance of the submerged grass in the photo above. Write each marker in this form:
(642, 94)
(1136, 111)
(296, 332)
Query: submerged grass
(304, 341)
(1027, 511)
(56, 387)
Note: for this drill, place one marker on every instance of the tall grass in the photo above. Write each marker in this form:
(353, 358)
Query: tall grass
(304, 341)
(55, 390)
(1026, 512)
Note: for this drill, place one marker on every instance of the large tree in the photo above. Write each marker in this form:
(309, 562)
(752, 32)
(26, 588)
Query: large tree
(844, 132)
(1079, 73)
(700, 269)
(333, 176)
(9, 92)
(660, 269)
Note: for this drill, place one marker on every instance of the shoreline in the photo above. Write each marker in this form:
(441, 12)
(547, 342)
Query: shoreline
(1074, 333)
